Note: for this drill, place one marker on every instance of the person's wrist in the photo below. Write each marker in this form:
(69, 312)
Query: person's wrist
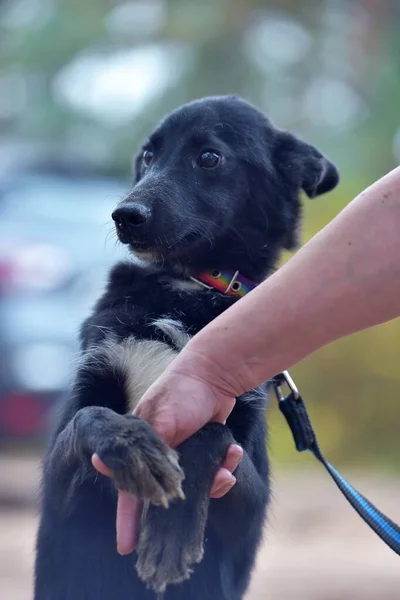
(200, 360)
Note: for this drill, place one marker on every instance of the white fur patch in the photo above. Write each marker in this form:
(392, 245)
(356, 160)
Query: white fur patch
(174, 330)
(145, 256)
(141, 362)
(186, 285)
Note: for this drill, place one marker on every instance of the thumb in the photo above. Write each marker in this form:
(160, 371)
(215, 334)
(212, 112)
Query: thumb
(156, 410)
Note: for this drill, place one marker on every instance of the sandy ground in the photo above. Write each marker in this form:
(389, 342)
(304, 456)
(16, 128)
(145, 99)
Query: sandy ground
(316, 547)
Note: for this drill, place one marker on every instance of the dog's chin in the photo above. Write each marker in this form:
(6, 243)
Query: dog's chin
(145, 254)
(181, 252)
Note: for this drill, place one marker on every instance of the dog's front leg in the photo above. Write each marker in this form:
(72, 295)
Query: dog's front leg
(171, 541)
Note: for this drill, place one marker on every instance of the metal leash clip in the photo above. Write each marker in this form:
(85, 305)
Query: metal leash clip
(285, 379)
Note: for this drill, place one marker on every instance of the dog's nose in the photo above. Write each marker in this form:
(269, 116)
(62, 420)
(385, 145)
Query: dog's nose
(131, 216)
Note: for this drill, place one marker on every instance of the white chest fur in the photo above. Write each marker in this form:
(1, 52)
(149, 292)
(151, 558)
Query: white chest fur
(140, 362)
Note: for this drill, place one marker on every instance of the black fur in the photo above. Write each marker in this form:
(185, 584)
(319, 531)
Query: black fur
(187, 218)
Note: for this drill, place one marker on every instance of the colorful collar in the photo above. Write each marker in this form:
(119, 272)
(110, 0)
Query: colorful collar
(231, 283)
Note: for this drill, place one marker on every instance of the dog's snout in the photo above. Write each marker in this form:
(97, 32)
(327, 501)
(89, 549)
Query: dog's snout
(131, 216)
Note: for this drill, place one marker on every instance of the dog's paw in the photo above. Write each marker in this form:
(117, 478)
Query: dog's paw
(141, 463)
(168, 547)
(171, 543)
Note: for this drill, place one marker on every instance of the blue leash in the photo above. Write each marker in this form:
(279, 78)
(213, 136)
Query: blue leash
(295, 412)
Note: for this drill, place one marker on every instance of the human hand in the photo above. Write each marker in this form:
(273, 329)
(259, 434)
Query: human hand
(175, 421)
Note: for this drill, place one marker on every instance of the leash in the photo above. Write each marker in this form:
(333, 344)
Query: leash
(294, 410)
(233, 283)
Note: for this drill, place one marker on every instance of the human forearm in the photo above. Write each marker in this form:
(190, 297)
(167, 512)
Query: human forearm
(345, 279)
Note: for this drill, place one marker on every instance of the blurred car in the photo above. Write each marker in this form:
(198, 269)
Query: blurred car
(55, 250)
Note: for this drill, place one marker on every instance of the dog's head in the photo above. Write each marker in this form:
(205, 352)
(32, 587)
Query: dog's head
(217, 186)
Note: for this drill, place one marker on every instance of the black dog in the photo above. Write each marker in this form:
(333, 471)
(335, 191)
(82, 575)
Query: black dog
(217, 188)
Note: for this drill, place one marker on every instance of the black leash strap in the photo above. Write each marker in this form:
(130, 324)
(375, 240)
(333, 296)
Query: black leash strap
(295, 412)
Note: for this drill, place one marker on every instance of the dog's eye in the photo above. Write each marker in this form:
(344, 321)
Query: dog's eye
(147, 157)
(209, 159)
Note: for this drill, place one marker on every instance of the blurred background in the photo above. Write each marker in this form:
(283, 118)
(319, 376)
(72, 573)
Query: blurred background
(80, 85)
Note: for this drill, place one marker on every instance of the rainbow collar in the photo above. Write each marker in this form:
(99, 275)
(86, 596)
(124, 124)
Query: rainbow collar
(230, 283)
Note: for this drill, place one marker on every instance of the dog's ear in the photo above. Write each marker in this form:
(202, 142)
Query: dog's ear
(304, 164)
